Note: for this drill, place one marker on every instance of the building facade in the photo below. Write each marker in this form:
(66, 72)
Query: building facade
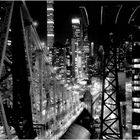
(59, 59)
(136, 91)
(50, 28)
(68, 62)
(76, 47)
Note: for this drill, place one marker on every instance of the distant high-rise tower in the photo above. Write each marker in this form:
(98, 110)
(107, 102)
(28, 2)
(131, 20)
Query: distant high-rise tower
(136, 90)
(76, 29)
(85, 44)
(76, 53)
(50, 27)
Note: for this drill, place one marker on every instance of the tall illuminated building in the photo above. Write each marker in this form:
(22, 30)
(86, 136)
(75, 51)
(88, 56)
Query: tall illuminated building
(136, 91)
(85, 44)
(50, 27)
(59, 58)
(76, 29)
(68, 61)
(76, 49)
(80, 43)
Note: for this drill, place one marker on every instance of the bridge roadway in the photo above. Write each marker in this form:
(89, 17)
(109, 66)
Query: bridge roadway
(75, 121)
(81, 128)
(79, 123)
(70, 119)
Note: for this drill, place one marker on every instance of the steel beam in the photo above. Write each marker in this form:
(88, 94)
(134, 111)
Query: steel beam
(23, 123)
(110, 112)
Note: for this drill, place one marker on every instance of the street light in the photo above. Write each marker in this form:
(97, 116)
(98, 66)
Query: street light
(35, 23)
(43, 44)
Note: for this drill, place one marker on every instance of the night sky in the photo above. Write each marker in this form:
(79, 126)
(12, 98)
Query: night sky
(65, 10)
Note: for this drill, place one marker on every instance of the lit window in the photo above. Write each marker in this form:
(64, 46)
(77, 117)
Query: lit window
(136, 65)
(136, 76)
(51, 35)
(136, 60)
(50, 22)
(136, 105)
(136, 88)
(136, 43)
(50, 9)
(136, 99)
(76, 21)
(9, 42)
(136, 110)
(136, 127)
(136, 82)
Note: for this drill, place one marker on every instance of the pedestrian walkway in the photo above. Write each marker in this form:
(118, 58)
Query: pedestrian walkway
(82, 128)
(70, 119)
(128, 127)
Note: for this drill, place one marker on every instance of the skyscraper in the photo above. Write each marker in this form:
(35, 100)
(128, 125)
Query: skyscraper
(50, 27)
(81, 43)
(136, 91)
(68, 61)
(76, 31)
(76, 35)
(85, 45)
(58, 59)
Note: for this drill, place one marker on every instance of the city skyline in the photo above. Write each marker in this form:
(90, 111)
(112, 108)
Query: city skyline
(65, 11)
(87, 76)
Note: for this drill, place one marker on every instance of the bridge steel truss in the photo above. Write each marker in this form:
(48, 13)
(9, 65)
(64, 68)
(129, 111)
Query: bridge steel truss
(16, 73)
(110, 112)
(39, 101)
(5, 62)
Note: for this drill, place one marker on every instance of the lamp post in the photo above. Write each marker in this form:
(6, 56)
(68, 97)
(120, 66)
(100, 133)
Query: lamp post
(35, 23)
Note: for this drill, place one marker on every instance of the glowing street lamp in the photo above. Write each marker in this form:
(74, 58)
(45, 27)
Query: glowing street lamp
(35, 23)
(42, 43)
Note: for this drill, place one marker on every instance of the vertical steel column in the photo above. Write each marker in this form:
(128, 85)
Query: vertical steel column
(4, 34)
(23, 123)
(110, 113)
(3, 119)
(27, 39)
(54, 100)
(47, 86)
(5, 26)
(121, 57)
(40, 82)
(73, 59)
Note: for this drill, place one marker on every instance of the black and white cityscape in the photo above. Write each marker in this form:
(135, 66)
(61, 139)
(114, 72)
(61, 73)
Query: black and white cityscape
(69, 69)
